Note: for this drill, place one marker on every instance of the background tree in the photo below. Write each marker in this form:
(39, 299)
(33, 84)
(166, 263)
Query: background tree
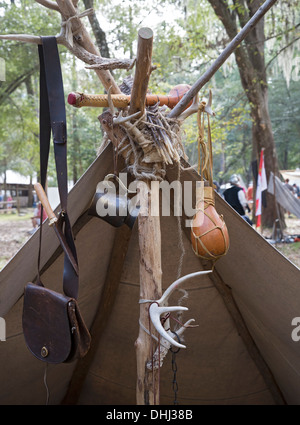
(250, 59)
(186, 40)
(19, 94)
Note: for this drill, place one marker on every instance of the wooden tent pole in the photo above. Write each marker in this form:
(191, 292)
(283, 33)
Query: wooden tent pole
(147, 389)
(142, 71)
(148, 227)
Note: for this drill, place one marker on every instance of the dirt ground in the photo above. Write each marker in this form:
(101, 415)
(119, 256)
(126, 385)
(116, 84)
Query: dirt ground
(14, 232)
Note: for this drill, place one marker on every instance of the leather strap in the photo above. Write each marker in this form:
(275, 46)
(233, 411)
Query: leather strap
(53, 118)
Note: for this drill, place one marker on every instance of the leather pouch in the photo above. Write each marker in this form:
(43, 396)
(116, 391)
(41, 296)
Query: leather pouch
(53, 327)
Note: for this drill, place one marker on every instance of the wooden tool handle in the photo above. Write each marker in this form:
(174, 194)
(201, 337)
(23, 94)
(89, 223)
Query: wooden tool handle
(78, 100)
(97, 100)
(45, 202)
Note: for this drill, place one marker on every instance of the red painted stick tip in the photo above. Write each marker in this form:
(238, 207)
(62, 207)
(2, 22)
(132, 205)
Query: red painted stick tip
(72, 99)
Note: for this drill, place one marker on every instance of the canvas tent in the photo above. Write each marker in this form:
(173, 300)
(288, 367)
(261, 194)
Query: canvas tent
(283, 195)
(241, 353)
(292, 175)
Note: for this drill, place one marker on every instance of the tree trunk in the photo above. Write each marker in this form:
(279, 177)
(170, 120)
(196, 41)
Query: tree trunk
(97, 30)
(251, 64)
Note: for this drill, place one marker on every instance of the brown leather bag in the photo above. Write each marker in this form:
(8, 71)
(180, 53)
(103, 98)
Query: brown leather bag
(54, 330)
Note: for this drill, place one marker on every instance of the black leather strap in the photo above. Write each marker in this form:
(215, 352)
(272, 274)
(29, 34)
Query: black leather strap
(53, 118)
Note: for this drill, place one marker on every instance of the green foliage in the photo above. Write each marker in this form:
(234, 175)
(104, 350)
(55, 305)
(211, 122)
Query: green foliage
(18, 102)
(284, 109)
(19, 94)
(230, 130)
(187, 39)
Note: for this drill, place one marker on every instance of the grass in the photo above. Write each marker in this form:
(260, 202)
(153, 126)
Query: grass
(13, 232)
(291, 251)
(3, 262)
(14, 216)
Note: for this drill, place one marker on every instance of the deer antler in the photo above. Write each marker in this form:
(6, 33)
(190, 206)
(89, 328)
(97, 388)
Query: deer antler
(193, 109)
(158, 307)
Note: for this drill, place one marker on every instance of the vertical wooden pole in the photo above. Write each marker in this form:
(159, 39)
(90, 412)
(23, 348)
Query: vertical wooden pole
(142, 71)
(147, 392)
(150, 288)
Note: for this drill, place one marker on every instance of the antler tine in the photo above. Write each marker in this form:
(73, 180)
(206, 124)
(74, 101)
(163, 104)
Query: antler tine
(195, 106)
(164, 346)
(175, 285)
(110, 102)
(157, 308)
(191, 110)
(207, 107)
(155, 312)
(121, 120)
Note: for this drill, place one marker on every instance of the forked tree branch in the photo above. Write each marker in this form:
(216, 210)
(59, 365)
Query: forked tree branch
(95, 61)
(75, 37)
(49, 4)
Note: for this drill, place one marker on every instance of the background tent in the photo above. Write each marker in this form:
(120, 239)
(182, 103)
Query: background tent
(241, 353)
(283, 195)
(292, 175)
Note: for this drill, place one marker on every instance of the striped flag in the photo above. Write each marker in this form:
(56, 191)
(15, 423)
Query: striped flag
(261, 186)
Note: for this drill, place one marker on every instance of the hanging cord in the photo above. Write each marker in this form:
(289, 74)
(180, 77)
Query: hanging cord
(46, 385)
(182, 250)
(205, 161)
(109, 177)
(210, 177)
(180, 234)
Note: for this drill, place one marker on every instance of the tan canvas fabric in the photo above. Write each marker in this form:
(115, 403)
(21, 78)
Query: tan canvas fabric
(215, 368)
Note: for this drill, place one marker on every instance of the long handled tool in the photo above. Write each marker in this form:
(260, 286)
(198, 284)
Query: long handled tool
(56, 223)
(78, 100)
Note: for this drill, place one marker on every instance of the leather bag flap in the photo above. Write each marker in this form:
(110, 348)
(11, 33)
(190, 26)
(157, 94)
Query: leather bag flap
(46, 324)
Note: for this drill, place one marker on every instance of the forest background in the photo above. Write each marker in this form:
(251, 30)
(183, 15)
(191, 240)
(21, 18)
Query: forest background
(188, 37)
